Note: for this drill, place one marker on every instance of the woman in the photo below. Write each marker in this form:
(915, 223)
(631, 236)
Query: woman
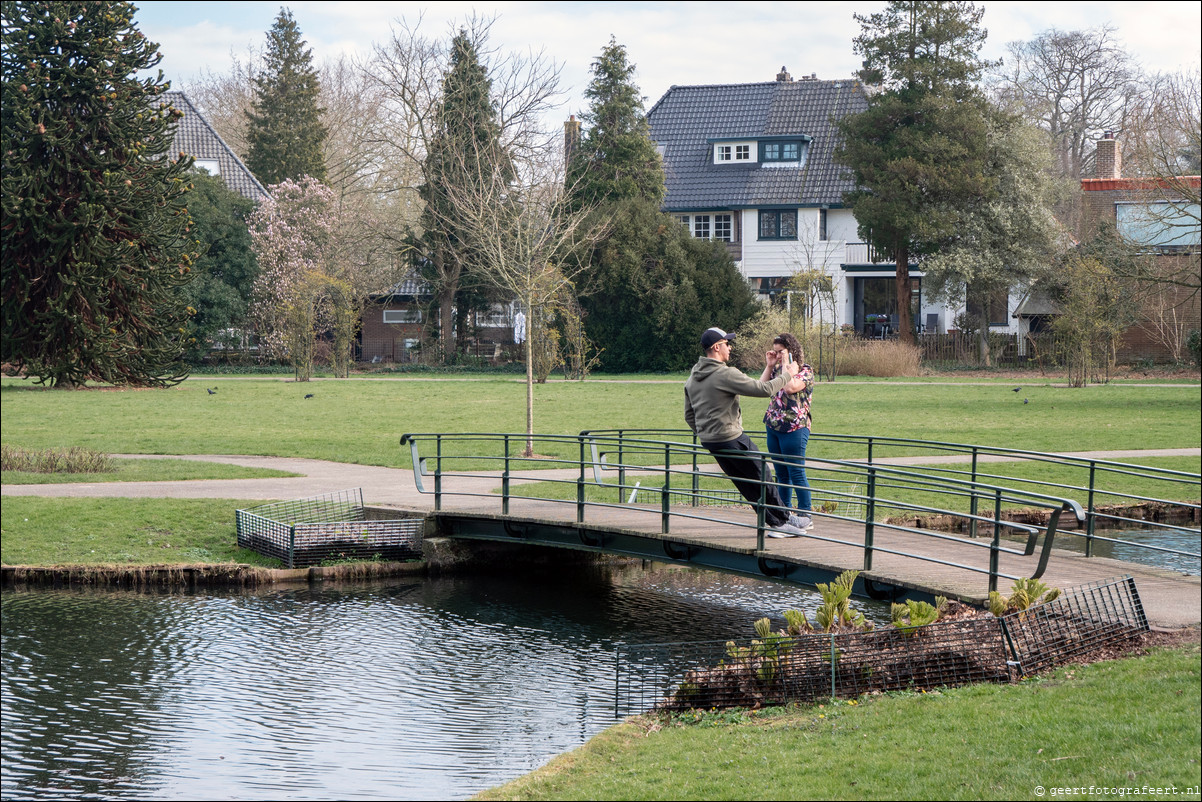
(788, 424)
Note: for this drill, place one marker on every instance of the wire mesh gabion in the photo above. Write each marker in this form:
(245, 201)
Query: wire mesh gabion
(762, 671)
(332, 526)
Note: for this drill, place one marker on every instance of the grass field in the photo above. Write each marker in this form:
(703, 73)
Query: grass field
(145, 470)
(362, 420)
(1125, 725)
(122, 531)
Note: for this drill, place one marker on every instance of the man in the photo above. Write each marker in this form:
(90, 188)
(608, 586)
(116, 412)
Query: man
(711, 408)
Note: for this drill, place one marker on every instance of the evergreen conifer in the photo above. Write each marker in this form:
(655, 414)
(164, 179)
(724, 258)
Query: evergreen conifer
(285, 135)
(96, 241)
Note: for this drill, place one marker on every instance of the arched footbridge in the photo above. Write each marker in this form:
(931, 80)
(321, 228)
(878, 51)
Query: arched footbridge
(917, 519)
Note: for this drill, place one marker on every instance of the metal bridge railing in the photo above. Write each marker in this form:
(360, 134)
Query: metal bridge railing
(870, 492)
(1102, 490)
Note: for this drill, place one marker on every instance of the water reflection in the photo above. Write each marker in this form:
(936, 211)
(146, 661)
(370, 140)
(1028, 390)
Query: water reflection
(412, 689)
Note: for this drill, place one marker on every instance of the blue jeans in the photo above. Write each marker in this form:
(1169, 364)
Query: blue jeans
(791, 473)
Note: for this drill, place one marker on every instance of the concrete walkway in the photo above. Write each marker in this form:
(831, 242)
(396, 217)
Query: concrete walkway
(391, 486)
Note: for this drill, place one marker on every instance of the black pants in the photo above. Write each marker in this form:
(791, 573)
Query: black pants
(746, 473)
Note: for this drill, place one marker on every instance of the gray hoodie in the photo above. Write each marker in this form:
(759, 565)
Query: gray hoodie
(711, 398)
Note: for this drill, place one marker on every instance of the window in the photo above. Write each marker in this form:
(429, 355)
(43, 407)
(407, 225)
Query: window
(683, 219)
(784, 151)
(402, 316)
(701, 226)
(723, 227)
(822, 225)
(731, 152)
(210, 166)
(778, 224)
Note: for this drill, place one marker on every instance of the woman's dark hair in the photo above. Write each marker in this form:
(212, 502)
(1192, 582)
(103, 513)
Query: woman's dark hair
(791, 345)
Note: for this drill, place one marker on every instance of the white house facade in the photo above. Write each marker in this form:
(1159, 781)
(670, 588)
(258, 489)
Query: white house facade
(751, 165)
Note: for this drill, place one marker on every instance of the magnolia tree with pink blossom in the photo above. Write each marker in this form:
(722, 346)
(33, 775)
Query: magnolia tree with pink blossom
(298, 290)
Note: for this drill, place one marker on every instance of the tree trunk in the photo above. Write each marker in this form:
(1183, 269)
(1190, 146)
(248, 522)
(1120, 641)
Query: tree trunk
(905, 321)
(529, 384)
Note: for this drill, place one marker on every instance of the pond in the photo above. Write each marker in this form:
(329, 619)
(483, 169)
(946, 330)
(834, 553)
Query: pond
(421, 688)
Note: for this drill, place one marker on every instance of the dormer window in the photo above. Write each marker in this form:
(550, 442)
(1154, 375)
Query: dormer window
(733, 152)
(782, 151)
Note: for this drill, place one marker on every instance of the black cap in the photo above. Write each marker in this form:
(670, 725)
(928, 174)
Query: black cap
(715, 335)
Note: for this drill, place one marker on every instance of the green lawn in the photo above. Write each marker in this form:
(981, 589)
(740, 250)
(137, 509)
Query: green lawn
(1127, 725)
(146, 470)
(122, 531)
(361, 420)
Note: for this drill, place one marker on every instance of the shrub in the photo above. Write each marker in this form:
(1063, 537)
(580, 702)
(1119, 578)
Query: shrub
(1194, 345)
(858, 357)
(755, 337)
(55, 460)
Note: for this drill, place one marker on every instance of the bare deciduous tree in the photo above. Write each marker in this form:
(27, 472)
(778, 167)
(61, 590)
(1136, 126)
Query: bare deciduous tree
(409, 72)
(532, 242)
(1073, 84)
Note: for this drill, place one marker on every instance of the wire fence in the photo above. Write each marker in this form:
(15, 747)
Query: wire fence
(327, 528)
(780, 669)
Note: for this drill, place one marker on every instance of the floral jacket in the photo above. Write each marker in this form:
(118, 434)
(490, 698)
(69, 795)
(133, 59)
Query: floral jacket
(788, 412)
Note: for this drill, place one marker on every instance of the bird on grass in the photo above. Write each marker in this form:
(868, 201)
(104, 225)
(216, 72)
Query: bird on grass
(1025, 401)
(211, 392)
(1016, 389)
(310, 395)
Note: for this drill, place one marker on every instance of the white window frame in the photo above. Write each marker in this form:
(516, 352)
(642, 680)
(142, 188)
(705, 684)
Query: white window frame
(395, 316)
(701, 226)
(210, 166)
(724, 227)
(735, 152)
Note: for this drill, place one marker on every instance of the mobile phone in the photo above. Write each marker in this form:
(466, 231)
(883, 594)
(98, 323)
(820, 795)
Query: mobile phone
(788, 358)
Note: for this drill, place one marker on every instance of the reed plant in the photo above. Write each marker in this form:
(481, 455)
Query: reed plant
(55, 460)
(879, 358)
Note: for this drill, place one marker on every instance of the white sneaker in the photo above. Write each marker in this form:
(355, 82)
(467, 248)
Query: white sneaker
(801, 521)
(786, 530)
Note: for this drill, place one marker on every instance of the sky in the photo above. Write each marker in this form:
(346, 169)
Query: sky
(677, 43)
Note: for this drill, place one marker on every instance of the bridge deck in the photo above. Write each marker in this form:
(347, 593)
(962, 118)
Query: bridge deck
(1170, 599)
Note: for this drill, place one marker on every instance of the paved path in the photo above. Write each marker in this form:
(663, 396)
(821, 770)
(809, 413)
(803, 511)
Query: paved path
(1171, 600)
(388, 486)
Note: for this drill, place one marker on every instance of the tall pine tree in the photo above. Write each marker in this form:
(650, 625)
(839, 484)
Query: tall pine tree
(616, 159)
(465, 148)
(285, 136)
(96, 244)
(920, 149)
(651, 288)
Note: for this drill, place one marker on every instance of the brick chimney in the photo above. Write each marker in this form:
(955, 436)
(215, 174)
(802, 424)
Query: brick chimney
(784, 77)
(571, 137)
(1108, 159)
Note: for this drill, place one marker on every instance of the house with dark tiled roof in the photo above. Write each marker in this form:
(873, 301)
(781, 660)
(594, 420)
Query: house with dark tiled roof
(751, 165)
(197, 138)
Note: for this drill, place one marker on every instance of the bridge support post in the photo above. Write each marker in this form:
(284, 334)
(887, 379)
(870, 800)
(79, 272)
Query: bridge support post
(972, 502)
(997, 537)
(580, 487)
(665, 502)
(505, 481)
(1089, 516)
(869, 519)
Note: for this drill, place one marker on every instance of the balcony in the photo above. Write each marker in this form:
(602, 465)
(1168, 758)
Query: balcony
(861, 253)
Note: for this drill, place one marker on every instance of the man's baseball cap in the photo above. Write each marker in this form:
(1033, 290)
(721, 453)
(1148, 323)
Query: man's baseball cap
(715, 335)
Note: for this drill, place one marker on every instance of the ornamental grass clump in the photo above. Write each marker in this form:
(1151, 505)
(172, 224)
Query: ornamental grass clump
(879, 358)
(55, 460)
